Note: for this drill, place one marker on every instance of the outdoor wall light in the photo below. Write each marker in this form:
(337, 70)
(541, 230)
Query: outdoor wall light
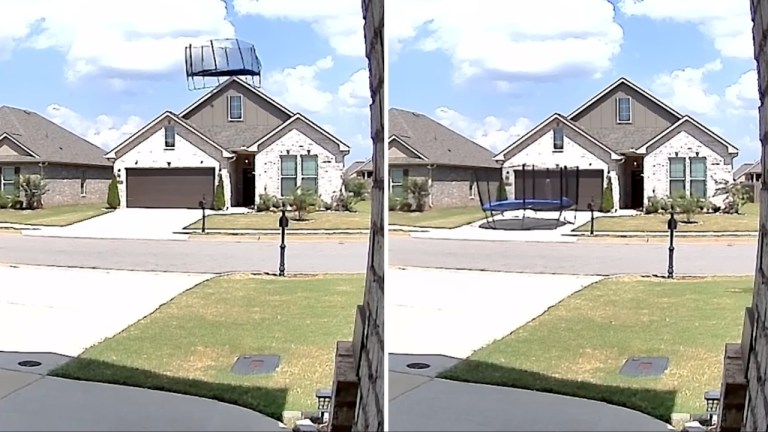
(323, 401)
(712, 398)
(309, 152)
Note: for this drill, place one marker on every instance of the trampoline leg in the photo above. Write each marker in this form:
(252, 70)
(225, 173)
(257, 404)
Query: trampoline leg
(522, 222)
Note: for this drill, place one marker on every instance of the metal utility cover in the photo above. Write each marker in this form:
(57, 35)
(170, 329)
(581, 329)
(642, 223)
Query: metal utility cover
(252, 364)
(644, 366)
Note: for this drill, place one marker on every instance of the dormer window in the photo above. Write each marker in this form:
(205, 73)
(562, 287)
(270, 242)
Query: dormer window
(170, 137)
(558, 139)
(623, 110)
(235, 107)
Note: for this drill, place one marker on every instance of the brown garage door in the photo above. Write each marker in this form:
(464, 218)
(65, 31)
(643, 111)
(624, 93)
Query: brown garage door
(546, 184)
(168, 188)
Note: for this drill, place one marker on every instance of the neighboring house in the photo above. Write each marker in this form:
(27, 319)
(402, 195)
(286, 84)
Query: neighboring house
(362, 169)
(748, 173)
(256, 144)
(456, 167)
(626, 134)
(74, 169)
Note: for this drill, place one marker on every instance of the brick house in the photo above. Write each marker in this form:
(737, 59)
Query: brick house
(457, 168)
(627, 135)
(74, 169)
(237, 132)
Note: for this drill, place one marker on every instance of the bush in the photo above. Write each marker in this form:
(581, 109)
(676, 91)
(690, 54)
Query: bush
(405, 206)
(219, 200)
(345, 203)
(654, 205)
(113, 195)
(267, 202)
(606, 205)
(356, 187)
(303, 201)
(418, 189)
(688, 205)
(5, 201)
(34, 187)
(501, 192)
(394, 202)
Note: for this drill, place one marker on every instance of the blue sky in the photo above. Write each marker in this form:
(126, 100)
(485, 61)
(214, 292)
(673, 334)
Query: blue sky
(492, 73)
(104, 73)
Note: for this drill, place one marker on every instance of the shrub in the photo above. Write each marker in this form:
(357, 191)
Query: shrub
(688, 205)
(418, 189)
(303, 201)
(394, 202)
(267, 202)
(34, 187)
(345, 203)
(356, 187)
(738, 194)
(113, 195)
(501, 192)
(405, 206)
(606, 205)
(219, 200)
(654, 205)
(5, 201)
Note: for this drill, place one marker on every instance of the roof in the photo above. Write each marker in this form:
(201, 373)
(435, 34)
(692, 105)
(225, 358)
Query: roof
(343, 147)
(353, 168)
(216, 90)
(745, 168)
(613, 86)
(687, 119)
(435, 142)
(46, 140)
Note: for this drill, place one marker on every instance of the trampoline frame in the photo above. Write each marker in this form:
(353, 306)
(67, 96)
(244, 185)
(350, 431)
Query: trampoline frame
(249, 72)
(491, 222)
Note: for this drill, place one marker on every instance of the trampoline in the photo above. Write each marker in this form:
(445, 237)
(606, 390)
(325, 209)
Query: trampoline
(531, 199)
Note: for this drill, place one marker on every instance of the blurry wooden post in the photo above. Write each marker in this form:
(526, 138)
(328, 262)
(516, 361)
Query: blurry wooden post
(358, 387)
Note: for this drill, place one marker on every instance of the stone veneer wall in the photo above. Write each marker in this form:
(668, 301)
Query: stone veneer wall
(369, 415)
(755, 352)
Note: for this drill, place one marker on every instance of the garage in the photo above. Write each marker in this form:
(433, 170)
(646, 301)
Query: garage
(546, 184)
(168, 187)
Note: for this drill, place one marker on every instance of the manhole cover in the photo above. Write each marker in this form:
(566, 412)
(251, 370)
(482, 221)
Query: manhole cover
(256, 364)
(644, 366)
(418, 365)
(29, 363)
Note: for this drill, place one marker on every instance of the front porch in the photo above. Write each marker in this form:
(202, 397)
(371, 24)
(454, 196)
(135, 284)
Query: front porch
(631, 183)
(243, 180)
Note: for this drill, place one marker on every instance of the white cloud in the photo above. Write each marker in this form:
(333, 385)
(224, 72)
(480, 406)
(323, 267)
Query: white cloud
(491, 132)
(340, 22)
(104, 131)
(355, 94)
(509, 40)
(113, 37)
(727, 22)
(742, 96)
(686, 90)
(299, 88)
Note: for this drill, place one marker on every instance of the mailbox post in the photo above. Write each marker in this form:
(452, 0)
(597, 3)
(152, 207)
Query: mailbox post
(282, 224)
(201, 204)
(671, 226)
(591, 208)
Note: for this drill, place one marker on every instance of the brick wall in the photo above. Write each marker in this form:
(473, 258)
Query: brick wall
(64, 183)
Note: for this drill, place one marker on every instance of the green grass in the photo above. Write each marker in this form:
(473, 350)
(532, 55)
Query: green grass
(744, 222)
(53, 216)
(268, 221)
(437, 218)
(189, 344)
(578, 346)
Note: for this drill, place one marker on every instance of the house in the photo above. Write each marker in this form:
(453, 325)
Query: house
(74, 169)
(361, 169)
(457, 168)
(624, 134)
(750, 172)
(237, 133)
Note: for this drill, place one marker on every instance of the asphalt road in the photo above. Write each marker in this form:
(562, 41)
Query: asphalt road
(574, 258)
(194, 256)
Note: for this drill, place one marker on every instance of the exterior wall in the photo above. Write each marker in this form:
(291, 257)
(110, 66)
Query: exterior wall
(397, 149)
(10, 148)
(64, 183)
(683, 144)
(267, 162)
(151, 153)
(540, 154)
(456, 186)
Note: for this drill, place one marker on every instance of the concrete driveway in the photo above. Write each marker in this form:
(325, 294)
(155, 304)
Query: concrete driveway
(65, 310)
(455, 312)
(139, 224)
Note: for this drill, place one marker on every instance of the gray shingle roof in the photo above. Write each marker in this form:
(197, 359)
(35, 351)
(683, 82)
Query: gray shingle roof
(51, 142)
(353, 167)
(749, 167)
(439, 144)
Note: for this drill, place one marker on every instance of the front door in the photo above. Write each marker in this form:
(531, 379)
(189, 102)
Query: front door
(638, 195)
(249, 188)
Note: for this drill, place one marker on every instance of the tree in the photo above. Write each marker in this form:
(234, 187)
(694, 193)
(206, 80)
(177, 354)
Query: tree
(34, 188)
(738, 194)
(419, 190)
(303, 201)
(356, 187)
(113, 195)
(606, 206)
(219, 200)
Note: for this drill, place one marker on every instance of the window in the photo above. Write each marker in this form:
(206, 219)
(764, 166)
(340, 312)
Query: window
(699, 177)
(235, 108)
(8, 180)
(309, 173)
(398, 178)
(287, 175)
(558, 139)
(676, 176)
(83, 188)
(624, 110)
(170, 137)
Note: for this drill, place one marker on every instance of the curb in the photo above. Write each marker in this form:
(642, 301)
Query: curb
(678, 234)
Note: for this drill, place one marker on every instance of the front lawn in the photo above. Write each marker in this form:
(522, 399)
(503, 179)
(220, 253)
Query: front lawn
(323, 220)
(577, 347)
(53, 216)
(437, 218)
(744, 222)
(189, 344)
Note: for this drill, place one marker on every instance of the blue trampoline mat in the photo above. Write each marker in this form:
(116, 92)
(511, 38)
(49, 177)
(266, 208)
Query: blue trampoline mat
(529, 204)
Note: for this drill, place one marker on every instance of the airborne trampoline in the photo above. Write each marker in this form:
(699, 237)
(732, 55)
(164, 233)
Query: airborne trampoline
(558, 191)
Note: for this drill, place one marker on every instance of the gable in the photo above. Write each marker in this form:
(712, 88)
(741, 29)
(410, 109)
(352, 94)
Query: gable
(328, 143)
(398, 148)
(707, 139)
(11, 147)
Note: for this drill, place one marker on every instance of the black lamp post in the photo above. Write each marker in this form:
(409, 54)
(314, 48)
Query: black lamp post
(591, 208)
(201, 204)
(671, 226)
(282, 224)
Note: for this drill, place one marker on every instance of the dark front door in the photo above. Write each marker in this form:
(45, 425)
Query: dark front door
(168, 187)
(637, 194)
(249, 188)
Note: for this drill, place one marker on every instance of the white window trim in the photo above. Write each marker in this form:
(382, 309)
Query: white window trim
(83, 184)
(554, 139)
(4, 181)
(618, 119)
(392, 183)
(300, 174)
(684, 178)
(691, 178)
(295, 176)
(229, 108)
(172, 128)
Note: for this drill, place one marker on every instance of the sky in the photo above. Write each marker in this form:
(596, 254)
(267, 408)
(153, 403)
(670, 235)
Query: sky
(494, 72)
(104, 69)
